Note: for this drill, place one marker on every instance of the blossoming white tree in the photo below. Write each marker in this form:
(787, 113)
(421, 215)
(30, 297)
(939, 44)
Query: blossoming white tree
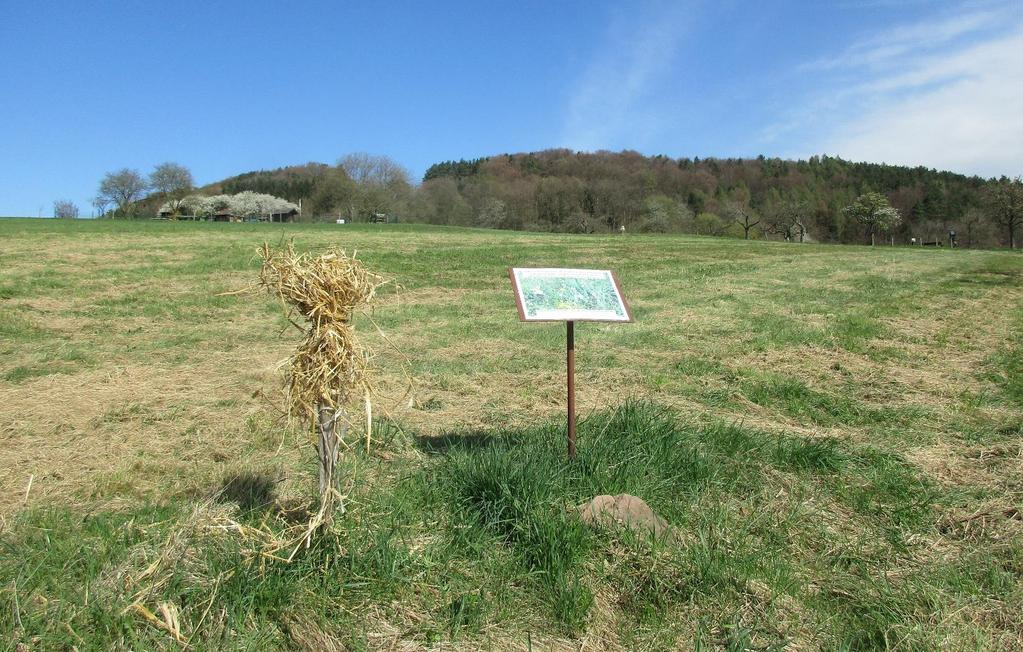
(243, 204)
(254, 204)
(873, 211)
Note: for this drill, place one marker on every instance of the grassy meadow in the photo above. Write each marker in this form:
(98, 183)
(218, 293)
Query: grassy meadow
(834, 433)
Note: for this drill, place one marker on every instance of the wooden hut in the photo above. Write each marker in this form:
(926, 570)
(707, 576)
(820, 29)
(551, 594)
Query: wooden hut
(225, 215)
(286, 216)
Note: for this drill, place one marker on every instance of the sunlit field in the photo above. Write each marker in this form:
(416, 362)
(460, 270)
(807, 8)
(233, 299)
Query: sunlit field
(834, 433)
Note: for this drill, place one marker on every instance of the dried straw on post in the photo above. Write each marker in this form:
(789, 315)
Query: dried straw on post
(328, 371)
(330, 366)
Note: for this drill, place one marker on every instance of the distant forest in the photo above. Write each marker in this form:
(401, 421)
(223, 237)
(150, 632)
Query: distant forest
(566, 191)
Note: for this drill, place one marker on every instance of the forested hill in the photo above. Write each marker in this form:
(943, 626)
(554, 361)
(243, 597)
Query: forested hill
(562, 190)
(565, 190)
(292, 183)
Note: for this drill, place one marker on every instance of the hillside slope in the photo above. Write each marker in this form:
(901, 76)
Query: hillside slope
(562, 190)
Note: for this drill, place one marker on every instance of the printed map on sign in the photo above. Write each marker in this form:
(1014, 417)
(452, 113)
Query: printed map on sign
(552, 294)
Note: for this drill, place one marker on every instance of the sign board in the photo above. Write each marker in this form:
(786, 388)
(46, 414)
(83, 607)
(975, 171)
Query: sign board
(557, 294)
(568, 295)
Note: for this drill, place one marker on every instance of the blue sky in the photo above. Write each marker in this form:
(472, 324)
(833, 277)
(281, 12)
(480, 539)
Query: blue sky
(223, 88)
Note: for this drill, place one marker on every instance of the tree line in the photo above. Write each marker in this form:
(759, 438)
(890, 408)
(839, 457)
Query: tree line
(127, 193)
(823, 198)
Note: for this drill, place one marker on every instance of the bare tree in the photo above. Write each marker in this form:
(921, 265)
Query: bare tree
(100, 205)
(65, 209)
(1005, 205)
(173, 181)
(373, 169)
(787, 219)
(742, 214)
(122, 188)
(382, 184)
(975, 226)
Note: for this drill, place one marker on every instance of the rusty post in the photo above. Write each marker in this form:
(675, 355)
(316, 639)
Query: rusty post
(571, 389)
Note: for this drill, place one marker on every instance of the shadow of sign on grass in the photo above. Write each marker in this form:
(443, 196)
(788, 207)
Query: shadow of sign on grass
(452, 441)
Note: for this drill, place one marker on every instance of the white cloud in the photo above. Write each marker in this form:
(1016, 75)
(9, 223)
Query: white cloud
(957, 107)
(606, 106)
(890, 45)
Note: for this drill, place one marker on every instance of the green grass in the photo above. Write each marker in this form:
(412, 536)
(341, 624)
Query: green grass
(1006, 365)
(479, 536)
(831, 432)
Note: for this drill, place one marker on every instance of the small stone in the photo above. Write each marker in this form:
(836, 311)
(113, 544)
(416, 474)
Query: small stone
(623, 510)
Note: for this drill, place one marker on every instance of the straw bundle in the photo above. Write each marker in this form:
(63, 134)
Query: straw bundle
(329, 367)
(328, 370)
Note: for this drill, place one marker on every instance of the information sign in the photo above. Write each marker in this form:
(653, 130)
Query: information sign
(568, 295)
(556, 294)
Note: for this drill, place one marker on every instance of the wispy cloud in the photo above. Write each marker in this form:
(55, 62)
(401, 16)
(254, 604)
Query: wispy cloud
(944, 93)
(892, 44)
(606, 107)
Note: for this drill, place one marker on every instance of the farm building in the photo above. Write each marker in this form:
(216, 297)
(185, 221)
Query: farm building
(284, 216)
(242, 207)
(168, 214)
(226, 215)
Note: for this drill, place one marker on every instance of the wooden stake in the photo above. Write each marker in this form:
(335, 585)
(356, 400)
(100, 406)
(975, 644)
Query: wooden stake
(369, 420)
(328, 446)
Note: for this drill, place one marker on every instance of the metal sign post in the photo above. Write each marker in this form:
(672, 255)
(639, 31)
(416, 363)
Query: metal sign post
(569, 295)
(570, 350)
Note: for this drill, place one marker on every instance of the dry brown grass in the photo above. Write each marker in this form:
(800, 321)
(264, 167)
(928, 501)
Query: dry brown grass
(69, 430)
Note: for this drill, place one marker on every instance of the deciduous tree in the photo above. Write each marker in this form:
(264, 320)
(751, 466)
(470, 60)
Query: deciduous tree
(975, 226)
(242, 204)
(373, 169)
(100, 205)
(65, 209)
(872, 210)
(382, 185)
(708, 224)
(740, 212)
(439, 202)
(173, 181)
(787, 218)
(333, 195)
(1005, 205)
(662, 214)
(493, 214)
(122, 188)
